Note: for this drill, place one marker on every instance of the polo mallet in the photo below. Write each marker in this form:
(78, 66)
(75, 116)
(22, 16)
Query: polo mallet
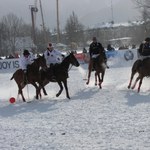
(27, 87)
(85, 77)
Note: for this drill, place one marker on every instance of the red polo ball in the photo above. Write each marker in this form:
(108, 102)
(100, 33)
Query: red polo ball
(12, 100)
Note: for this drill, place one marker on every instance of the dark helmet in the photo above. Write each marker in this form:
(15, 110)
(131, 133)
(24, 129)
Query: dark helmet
(94, 38)
(26, 52)
(147, 39)
(50, 44)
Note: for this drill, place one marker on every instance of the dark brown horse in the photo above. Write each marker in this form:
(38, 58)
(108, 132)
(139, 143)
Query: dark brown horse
(33, 76)
(61, 72)
(98, 65)
(143, 70)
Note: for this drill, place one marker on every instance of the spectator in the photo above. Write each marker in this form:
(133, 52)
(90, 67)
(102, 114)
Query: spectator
(110, 48)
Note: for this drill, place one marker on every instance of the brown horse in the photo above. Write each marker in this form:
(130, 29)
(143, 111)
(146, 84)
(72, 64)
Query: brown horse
(33, 76)
(61, 72)
(143, 70)
(98, 65)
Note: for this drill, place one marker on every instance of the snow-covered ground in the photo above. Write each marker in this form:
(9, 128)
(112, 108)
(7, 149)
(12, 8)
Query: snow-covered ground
(113, 118)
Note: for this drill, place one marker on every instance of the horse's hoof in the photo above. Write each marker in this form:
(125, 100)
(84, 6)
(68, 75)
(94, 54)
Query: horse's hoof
(100, 86)
(36, 97)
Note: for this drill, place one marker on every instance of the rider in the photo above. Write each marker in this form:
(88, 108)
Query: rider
(144, 49)
(96, 49)
(52, 57)
(26, 59)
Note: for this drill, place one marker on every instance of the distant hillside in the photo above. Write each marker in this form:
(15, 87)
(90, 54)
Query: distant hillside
(121, 13)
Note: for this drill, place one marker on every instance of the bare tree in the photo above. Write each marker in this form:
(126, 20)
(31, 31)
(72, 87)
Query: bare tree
(142, 3)
(2, 38)
(74, 29)
(12, 25)
(144, 7)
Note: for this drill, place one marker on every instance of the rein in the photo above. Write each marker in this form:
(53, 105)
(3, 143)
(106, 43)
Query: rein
(70, 68)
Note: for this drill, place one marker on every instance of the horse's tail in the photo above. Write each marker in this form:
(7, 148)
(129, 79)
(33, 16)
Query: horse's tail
(12, 77)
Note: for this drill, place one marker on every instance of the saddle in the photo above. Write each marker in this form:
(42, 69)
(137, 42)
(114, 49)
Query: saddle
(143, 62)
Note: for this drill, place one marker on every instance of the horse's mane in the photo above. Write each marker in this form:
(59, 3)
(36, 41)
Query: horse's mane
(65, 59)
(64, 65)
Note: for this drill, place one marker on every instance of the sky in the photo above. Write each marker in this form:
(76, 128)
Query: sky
(89, 12)
(113, 118)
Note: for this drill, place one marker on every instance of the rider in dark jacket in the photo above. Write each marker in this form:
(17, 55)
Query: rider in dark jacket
(95, 49)
(144, 49)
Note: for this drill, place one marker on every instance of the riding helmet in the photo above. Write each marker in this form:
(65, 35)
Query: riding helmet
(26, 52)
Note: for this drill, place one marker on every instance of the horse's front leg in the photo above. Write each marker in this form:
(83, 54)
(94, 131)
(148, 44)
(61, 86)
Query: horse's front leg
(89, 72)
(38, 91)
(61, 88)
(41, 86)
(140, 83)
(20, 92)
(131, 78)
(137, 79)
(44, 91)
(45, 82)
(101, 79)
(89, 75)
(66, 88)
(96, 75)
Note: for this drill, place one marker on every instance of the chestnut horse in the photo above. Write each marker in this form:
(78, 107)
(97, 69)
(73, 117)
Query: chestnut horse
(33, 76)
(61, 73)
(142, 67)
(98, 65)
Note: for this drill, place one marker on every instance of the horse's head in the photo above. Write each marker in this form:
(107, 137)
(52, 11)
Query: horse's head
(41, 61)
(73, 60)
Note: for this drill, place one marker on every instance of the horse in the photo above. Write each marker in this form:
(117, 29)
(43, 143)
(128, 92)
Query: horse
(61, 74)
(142, 68)
(33, 76)
(99, 66)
